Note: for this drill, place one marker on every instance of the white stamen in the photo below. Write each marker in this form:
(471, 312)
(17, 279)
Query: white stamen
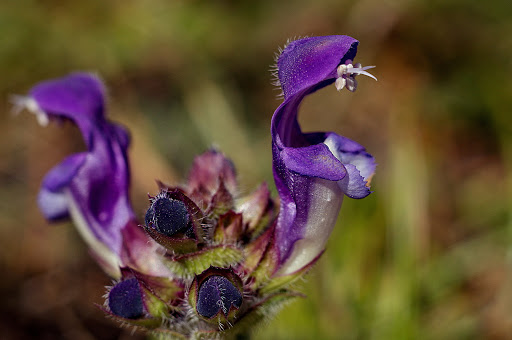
(342, 69)
(349, 70)
(346, 75)
(23, 102)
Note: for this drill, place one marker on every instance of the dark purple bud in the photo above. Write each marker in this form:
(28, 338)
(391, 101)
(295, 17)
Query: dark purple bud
(125, 299)
(217, 294)
(168, 216)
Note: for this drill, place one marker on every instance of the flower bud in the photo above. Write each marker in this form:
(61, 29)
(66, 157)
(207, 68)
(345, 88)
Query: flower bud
(168, 216)
(217, 295)
(174, 221)
(125, 299)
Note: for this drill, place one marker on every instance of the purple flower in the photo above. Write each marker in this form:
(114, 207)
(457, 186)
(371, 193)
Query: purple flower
(92, 187)
(313, 171)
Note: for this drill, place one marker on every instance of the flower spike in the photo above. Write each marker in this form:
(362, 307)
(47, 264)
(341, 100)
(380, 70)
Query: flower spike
(205, 263)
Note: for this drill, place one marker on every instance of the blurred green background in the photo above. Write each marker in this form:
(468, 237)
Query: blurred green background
(427, 256)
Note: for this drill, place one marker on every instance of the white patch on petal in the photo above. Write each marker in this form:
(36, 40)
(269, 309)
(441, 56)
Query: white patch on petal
(52, 204)
(331, 144)
(29, 103)
(359, 160)
(324, 205)
(110, 262)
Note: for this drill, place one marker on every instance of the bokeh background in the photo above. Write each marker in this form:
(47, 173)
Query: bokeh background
(427, 256)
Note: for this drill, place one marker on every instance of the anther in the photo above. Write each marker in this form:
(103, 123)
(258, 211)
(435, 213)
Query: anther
(22, 102)
(346, 76)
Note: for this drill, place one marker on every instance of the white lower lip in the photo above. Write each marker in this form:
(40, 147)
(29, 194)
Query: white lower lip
(324, 205)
